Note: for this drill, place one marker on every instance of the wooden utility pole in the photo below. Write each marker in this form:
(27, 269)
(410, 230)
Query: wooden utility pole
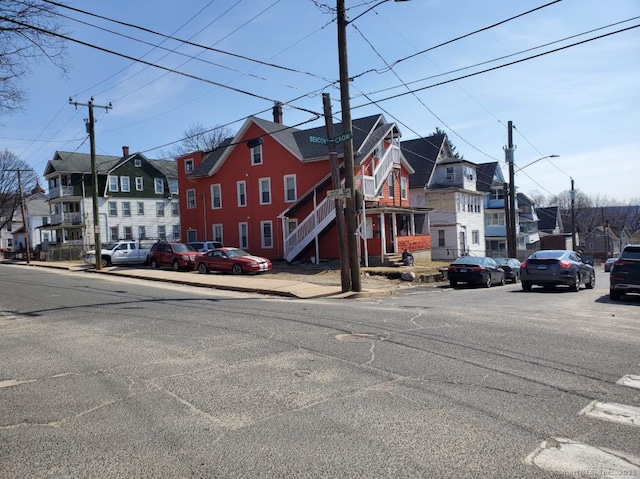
(352, 214)
(343, 247)
(511, 239)
(94, 176)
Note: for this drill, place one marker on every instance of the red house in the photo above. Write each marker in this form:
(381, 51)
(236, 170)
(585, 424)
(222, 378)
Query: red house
(270, 196)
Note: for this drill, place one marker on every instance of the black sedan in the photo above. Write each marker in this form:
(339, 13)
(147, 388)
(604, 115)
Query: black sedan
(625, 273)
(550, 268)
(475, 270)
(511, 267)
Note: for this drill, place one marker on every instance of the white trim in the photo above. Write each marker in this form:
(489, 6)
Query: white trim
(239, 193)
(216, 187)
(241, 244)
(286, 189)
(268, 181)
(263, 243)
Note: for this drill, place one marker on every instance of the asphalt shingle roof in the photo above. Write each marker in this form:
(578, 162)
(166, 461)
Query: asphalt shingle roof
(422, 154)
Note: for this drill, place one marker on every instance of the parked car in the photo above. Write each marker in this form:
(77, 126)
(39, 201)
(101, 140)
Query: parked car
(122, 252)
(231, 260)
(511, 268)
(550, 268)
(587, 259)
(608, 264)
(179, 256)
(625, 273)
(202, 246)
(475, 270)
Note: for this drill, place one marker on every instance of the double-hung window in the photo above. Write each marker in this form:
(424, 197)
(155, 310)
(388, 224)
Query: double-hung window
(125, 184)
(141, 208)
(159, 208)
(126, 209)
(265, 191)
(113, 183)
(216, 196)
(290, 193)
(241, 188)
(403, 187)
(113, 208)
(266, 234)
(158, 184)
(256, 155)
(139, 183)
(191, 199)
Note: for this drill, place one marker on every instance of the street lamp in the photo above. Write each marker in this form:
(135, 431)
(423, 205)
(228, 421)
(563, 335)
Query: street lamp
(345, 104)
(535, 161)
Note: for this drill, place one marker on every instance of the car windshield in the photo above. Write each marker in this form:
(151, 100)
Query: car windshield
(631, 253)
(502, 260)
(180, 248)
(112, 246)
(233, 253)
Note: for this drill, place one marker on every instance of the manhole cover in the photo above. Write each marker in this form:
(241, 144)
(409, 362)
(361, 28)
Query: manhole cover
(357, 337)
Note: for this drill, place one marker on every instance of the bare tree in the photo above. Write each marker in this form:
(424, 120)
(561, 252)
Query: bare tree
(28, 30)
(9, 185)
(199, 138)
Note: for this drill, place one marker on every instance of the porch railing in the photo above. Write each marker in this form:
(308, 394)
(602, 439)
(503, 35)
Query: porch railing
(384, 167)
(58, 191)
(66, 218)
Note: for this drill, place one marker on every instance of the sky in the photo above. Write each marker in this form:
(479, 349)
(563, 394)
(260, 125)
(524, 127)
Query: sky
(420, 63)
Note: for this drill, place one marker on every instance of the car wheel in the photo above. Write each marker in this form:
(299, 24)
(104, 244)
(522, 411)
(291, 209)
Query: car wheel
(592, 281)
(154, 264)
(575, 286)
(175, 265)
(202, 268)
(487, 283)
(453, 283)
(516, 278)
(236, 269)
(105, 262)
(503, 281)
(526, 286)
(614, 295)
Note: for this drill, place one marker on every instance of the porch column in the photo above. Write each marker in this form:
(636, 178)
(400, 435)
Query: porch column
(394, 231)
(412, 224)
(315, 224)
(383, 237)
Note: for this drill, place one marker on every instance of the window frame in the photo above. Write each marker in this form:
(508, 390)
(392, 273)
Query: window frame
(188, 165)
(126, 209)
(113, 209)
(113, 184)
(263, 237)
(403, 188)
(241, 193)
(140, 208)
(243, 235)
(217, 232)
(125, 181)
(139, 183)
(287, 178)
(216, 194)
(191, 204)
(160, 209)
(266, 181)
(158, 186)
(256, 154)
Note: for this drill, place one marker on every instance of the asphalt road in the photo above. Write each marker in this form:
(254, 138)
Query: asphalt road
(106, 377)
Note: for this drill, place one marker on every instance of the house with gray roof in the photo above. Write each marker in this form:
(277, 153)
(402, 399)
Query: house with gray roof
(137, 198)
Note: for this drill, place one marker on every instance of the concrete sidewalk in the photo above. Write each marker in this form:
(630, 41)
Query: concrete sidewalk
(263, 284)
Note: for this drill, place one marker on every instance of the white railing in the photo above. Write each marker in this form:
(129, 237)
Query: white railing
(384, 167)
(313, 224)
(66, 218)
(58, 191)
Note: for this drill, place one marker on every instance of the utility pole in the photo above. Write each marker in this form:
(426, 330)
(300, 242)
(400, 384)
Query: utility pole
(349, 183)
(511, 239)
(343, 246)
(507, 216)
(23, 209)
(573, 216)
(94, 175)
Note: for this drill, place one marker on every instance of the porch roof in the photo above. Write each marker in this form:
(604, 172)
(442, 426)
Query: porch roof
(397, 209)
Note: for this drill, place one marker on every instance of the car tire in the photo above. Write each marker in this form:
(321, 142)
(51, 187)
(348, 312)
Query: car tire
(453, 283)
(236, 269)
(575, 286)
(175, 265)
(202, 268)
(592, 281)
(154, 264)
(516, 278)
(487, 283)
(105, 262)
(526, 286)
(503, 281)
(614, 295)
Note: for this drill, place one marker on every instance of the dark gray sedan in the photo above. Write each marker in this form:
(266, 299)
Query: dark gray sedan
(475, 270)
(550, 268)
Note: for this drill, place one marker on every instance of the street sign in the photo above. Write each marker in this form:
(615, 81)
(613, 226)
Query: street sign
(339, 194)
(321, 140)
(342, 138)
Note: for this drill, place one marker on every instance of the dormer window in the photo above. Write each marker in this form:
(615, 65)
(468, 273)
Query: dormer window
(188, 165)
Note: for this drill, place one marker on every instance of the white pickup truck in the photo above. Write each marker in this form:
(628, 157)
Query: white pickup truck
(122, 252)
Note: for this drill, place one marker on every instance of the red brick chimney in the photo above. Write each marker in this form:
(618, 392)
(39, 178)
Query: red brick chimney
(277, 112)
(125, 151)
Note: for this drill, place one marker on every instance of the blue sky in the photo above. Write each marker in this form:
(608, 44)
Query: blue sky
(581, 102)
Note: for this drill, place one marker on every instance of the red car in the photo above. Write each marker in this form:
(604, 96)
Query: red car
(178, 256)
(233, 260)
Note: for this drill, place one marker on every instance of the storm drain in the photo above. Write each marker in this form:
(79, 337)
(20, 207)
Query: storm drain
(358, 337)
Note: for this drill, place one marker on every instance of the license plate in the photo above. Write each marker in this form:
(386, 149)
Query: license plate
(542, 266)
(463, 270)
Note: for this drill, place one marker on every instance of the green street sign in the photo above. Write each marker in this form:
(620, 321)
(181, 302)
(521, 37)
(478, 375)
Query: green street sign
(320, 140)
(342, 138)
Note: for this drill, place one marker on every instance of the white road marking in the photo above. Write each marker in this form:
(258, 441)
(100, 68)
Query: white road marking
(630, 381)
(613, 412)
(575, 459)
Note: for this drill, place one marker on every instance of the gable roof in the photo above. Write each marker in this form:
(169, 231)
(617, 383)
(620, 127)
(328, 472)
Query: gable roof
(67, 162)
(486, 174)
(549, 218)
(422, 154)
(367, 133)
